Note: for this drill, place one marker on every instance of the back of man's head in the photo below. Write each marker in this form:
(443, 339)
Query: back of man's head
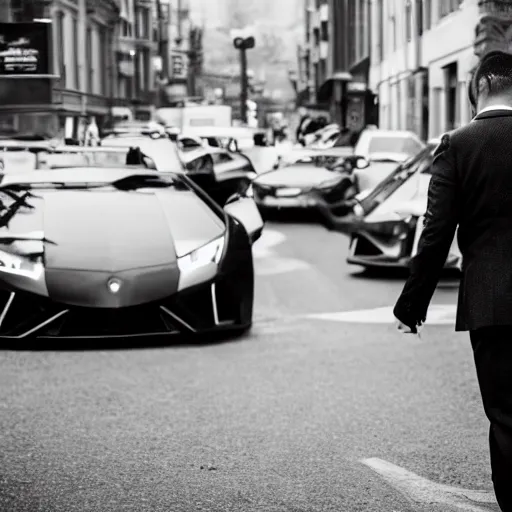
(492, 78)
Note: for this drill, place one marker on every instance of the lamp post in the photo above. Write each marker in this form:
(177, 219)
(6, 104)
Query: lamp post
(243, 43)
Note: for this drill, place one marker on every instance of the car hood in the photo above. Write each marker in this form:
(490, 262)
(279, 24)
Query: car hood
(115, 231)
(296, 176)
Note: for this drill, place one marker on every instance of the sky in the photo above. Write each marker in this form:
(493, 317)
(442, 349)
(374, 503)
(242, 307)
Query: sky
(278, 28)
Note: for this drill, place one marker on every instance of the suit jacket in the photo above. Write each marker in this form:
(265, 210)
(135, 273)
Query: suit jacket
(471, 187)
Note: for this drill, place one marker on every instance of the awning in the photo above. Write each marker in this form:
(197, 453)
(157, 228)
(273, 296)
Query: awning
(325, 91)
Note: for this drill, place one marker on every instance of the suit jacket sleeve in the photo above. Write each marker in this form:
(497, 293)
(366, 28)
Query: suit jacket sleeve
(440, 224)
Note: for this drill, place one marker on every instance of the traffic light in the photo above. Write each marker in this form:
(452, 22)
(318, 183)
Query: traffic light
(244, 43)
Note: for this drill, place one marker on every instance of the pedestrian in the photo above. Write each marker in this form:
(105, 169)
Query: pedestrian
(471, 187)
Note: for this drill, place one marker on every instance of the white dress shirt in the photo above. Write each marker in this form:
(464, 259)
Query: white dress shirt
(495, 107)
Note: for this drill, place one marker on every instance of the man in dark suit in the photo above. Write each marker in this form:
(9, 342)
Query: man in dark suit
(471, 187)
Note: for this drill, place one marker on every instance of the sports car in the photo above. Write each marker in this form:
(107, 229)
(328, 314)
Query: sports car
(219, 171)
(388, 220)
(322, 180)
(96, 243)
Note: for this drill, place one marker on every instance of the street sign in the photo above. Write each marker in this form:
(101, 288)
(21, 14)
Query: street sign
(25, 49)
(179, 65)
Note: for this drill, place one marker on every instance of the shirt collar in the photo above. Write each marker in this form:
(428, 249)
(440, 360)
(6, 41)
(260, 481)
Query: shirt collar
(495, 107)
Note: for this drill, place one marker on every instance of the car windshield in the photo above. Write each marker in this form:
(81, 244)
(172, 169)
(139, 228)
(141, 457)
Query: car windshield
(323, 161)
(420, 163)
(394, 144)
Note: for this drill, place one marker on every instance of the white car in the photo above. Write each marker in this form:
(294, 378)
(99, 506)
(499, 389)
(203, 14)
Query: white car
(388, 220)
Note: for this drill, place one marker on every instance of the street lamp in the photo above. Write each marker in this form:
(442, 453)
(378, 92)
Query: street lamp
(243, 43)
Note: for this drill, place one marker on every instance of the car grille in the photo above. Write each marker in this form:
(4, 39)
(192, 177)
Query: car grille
(24, 315)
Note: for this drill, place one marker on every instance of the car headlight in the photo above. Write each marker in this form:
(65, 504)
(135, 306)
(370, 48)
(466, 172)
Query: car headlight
(209, 253)
(20, 266)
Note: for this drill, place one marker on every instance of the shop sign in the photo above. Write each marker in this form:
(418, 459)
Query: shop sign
(356, 86)
(25, 48)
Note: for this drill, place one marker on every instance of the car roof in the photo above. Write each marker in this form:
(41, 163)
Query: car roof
(391, 133)
(219, 131)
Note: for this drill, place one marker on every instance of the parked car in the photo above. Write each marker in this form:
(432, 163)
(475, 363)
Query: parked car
(313, 179)
(220, 171)
(388, 220)
(96, 244)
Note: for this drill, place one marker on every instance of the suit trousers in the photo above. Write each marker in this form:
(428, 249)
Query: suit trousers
(492, 349)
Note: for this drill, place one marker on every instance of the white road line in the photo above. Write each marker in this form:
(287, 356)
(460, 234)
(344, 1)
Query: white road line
(272, 266)
(438, 314)
(267, 262)
(426, 492)
(262, 248)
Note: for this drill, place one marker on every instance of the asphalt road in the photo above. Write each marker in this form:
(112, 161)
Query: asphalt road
(302, 415)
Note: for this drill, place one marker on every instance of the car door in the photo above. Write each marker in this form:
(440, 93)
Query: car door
(233, 173)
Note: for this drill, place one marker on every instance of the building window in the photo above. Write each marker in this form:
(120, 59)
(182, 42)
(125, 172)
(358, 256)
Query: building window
(147, 70)
(352, 27)
(448, 6)
(126, 29)
(361, 28)
(395, 41)
(145, 24)
(89, 59)
(138, 31)
(451, 96)
(380, 28)
(427, 9)
(408, 21)
(61, 47)
(324, 31)
(419, 17)
(76, 39)
(104, 63)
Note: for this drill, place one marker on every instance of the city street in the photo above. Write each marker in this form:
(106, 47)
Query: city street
(322, 407)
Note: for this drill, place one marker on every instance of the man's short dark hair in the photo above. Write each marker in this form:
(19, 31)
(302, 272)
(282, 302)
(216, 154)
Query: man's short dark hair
(492, 76)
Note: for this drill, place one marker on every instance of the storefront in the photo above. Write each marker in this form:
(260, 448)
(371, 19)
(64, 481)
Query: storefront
(32, 99)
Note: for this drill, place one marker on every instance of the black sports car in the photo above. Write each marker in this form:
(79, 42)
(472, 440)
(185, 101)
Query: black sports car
(95, 243)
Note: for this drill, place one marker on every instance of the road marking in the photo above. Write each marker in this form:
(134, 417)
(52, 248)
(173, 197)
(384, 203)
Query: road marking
(272, 266)
(426, 492)
(270, 238)
(438, 314)
(267, 262)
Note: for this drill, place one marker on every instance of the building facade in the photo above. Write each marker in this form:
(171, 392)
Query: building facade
(136, 47)
(78, 80)
(422, 56)
(102, 66)
(335, 60)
